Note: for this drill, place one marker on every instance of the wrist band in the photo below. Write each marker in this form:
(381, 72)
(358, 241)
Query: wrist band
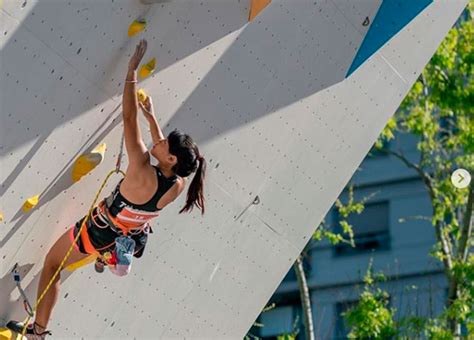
(131, 81)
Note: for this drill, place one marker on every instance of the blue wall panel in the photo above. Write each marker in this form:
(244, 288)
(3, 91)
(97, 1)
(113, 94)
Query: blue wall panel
(392, 16)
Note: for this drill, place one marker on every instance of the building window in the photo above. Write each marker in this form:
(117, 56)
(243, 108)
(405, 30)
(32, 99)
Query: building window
(371, 230)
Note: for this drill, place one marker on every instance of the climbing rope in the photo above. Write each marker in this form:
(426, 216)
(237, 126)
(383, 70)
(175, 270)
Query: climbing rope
(116, 170)
(119, 158)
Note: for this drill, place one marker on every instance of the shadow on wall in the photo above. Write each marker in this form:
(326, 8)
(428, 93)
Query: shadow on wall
(65, 60)
(275, 62)
(74, 58)
(58, 184)
(62, 67)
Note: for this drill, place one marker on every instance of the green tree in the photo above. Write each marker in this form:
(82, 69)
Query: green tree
(439, 109)
(371, 317)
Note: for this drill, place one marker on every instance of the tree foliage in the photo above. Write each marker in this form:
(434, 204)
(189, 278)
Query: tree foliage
(371, 317)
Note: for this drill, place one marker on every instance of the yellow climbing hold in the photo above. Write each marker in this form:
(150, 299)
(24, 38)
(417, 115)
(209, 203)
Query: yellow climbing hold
(6, 334)
(147, 69)
(73, 266)
(1, 217)
(136, 27)
(142, 96)
(86, 163)
(30, 203)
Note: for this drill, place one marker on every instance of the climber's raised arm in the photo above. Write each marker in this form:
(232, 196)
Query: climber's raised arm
(138, 154)
(149, 113)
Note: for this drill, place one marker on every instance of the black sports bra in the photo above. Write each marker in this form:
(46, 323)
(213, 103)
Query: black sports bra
(119, 201)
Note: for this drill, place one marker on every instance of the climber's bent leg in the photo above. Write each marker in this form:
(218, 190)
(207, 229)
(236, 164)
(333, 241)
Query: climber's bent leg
(51, 263)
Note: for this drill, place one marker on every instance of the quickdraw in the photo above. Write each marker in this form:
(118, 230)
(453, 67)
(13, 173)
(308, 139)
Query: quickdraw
(17, 279)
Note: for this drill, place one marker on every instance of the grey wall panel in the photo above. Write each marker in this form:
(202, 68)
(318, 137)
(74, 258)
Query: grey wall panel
(267, 103)
(305, 171)
(360, 14)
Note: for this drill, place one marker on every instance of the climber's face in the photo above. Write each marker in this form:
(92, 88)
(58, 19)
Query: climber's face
(161, 152)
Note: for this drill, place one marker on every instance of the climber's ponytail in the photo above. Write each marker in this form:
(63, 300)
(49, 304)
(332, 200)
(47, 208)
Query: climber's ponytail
(189, 160)
(195, 195)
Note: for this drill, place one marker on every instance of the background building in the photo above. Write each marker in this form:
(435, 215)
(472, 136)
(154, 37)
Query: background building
(400, 250)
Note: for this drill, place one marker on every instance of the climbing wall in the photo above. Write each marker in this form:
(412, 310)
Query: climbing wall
(284, 107)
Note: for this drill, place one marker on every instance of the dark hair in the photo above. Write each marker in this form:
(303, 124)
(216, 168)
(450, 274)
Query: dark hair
(189, 160)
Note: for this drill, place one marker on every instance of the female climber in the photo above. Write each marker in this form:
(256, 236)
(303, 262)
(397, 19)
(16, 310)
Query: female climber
(138, 197)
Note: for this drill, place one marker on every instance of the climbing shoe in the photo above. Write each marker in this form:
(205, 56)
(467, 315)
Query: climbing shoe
(31, 330)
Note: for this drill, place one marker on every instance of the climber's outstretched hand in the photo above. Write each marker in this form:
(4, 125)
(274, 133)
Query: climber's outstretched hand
(138, 55)
(147, 108)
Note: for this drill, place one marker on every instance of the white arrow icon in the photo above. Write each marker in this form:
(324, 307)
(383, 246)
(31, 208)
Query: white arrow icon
(461, 178)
